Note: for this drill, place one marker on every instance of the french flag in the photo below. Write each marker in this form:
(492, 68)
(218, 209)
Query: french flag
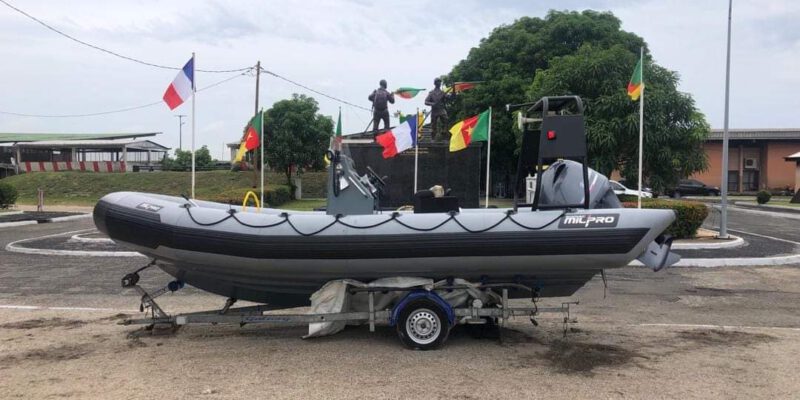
(399, 139)
(181, 87)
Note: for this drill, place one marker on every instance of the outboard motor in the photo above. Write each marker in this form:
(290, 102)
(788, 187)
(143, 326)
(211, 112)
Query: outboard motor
(562, 185)
(554, 149)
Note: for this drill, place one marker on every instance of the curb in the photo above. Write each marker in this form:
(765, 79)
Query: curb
(56, 219)
(730, 262)
(17, 223)
(790, 210)
(80, 239)
(70, 217)
(736, 242)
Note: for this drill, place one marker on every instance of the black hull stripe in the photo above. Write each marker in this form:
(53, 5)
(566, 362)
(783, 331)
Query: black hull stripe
(133, 226)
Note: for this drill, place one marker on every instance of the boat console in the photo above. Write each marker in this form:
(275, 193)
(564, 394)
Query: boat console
(554, 149)
(349, 193)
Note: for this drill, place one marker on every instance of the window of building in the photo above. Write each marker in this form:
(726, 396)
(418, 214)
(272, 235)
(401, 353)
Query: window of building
(750, 181)
(733, 181)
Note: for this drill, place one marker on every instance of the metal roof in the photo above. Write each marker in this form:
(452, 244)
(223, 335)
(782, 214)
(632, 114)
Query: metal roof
(793, 157)
(37, 137)
(757, 134)
(131, 144)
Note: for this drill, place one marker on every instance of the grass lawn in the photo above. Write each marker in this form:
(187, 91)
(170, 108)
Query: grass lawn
(84, 189)
(304, 205)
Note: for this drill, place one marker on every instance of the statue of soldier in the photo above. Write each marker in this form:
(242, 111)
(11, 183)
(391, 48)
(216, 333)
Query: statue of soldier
(380, 99)
(436, 100)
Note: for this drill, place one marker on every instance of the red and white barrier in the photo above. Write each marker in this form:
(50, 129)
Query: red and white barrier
(83, 166)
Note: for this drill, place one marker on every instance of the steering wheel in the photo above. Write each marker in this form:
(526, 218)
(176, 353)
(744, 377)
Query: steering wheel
(375, 179)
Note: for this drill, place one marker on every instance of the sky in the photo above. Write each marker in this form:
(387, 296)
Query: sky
(343, 49)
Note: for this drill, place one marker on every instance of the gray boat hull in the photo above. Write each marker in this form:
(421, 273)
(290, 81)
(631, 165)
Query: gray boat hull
(281, 258)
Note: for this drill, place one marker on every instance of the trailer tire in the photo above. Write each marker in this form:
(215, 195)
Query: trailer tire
(423, 325)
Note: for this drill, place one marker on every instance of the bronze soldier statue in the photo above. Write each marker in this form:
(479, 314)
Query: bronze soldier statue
(436, 100)
(380, 98)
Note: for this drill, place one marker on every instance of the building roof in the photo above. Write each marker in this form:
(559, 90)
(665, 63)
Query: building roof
(757, 134)
(793, 157)
(36, 137)
(131, 144)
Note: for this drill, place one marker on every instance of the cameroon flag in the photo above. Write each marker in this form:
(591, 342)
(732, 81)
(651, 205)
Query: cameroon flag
(251, 139)
(407, 92)
(459, 87)
(636, 85)
(472, 129)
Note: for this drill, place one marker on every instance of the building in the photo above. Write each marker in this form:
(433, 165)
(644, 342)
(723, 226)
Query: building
(31, 152)
(757, 159)
(795, 159)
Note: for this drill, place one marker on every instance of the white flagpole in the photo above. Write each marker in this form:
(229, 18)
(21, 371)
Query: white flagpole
(261, 116)
(194, 78)
(416, 150)
(488, 156)
(723, 216)
(641, 128)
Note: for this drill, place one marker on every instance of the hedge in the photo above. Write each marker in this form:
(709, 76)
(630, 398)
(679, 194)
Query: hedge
(274, 197)
(8, 195)
(689, 215)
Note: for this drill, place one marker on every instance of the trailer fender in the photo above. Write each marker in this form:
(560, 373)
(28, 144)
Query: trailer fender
(417, 294)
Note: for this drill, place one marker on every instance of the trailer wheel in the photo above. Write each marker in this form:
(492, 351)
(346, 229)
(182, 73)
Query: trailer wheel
(423, 325)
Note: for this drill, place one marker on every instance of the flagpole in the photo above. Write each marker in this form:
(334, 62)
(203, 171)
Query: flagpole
(416, 150)
(194, 79)
(261, 115)
(488, 157)
(641, 128)
(723, 216)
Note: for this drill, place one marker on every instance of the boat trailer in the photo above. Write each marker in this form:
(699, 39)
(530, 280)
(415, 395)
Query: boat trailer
(422, 318)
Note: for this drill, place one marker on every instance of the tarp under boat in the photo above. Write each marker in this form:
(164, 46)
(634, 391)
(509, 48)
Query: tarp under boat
(334, 297)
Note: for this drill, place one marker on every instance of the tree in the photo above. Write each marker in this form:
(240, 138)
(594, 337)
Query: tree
(674, 129)
(510, 58)
(183, 160)
(296, 135)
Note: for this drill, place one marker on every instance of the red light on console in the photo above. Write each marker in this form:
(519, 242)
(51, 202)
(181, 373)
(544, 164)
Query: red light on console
(551, 135)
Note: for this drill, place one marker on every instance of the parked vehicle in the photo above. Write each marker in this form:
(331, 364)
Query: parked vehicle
(620, 189)
(645, 188)
(693, 187)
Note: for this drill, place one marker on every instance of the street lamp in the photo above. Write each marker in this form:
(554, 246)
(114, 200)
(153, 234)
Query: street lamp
(180, 130)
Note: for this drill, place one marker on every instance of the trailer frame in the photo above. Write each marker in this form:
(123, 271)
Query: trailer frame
(473, 313)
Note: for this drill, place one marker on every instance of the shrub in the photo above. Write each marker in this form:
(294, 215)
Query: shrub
(278, 196)
(763, 197)
(689, 215)
(629, 198)
(8, 195)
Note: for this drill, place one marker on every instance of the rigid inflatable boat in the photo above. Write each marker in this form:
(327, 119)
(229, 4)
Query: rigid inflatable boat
(574, 229)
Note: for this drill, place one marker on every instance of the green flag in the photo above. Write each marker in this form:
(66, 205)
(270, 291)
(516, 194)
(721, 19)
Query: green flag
(636, 85)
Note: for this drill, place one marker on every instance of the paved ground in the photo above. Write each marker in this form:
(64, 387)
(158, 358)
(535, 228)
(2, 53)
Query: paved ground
(683, 332)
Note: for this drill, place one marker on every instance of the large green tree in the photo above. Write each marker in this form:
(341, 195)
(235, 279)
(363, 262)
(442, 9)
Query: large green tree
(509, 59)
(674, 129)
(296, 135)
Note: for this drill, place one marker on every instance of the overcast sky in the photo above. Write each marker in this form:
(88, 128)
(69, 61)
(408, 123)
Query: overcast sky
(343, 48)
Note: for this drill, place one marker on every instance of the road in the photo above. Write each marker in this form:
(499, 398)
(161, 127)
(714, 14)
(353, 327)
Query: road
(779, 225)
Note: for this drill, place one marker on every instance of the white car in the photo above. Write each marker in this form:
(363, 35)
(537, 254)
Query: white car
(620, 190)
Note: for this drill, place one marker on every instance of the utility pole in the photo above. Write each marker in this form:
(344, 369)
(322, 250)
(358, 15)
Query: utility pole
(258, 76)
(180, 130)
(723, 217)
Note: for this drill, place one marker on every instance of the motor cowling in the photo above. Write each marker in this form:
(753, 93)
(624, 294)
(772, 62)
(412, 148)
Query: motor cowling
(562, 184)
